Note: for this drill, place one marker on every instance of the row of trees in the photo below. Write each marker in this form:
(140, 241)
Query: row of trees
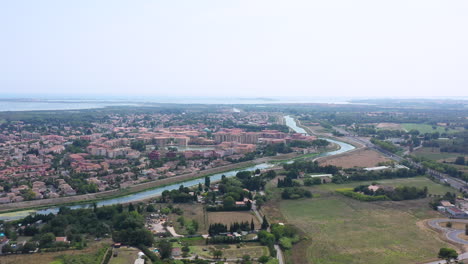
(219, 228)
(361, 175)
(395, 194)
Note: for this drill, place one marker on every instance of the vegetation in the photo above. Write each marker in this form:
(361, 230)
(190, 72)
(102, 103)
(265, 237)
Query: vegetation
(394, 194)
(295, 193)
(340, 224)
(385, 145)
(448, 254)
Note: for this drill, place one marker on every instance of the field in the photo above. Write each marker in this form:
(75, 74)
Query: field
(51, 257)
(343, 230)
(190, 212)
(424, 128)
(125, 256)
(389, 126)
(254, 250)
(230, 217)
(434, 154)
(433, 188)
(358, 158)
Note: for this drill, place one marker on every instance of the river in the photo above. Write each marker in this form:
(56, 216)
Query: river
(157, 191)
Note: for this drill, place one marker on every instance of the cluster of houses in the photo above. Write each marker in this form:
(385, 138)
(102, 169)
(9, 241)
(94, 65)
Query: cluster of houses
(37, 163)
(458, 210)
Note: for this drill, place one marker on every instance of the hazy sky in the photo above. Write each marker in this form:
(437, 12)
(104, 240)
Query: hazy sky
(235, 48)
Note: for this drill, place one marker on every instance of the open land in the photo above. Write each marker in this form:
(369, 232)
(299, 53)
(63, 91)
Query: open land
(254, 250)
(390, 126)
(342, 230)
(193, 212)
(51, 257)
(420, 182)
(357, 158)
(434, 154)
(424, 128)
(231, 217)
(126, 255)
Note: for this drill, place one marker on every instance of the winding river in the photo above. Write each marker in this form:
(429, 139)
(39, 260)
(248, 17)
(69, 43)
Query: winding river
(291, 122)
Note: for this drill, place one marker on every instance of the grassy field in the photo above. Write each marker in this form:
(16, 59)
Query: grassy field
(190, 212)
(125, 256)
(90, 254)
(434, 188)
(338, 229)
(434, 154)
(424, 128)
(343, 230)
(231, 217)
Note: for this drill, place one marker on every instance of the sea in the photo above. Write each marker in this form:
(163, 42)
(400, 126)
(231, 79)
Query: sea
(67, 102)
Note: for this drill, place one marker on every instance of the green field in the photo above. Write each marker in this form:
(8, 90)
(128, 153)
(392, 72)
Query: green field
(125, 255)
(434, 154)
(339, 229)
(434, 188)
(343, 230)
(424, 128)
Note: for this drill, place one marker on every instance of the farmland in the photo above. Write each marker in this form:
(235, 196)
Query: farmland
(254, 250)
(338, 229)
(434, 154)
(358, 158)
(231, 217)
(424, 128)
(125, 255)
(342, 230)
(193, 212)
(94, 252)
(433, 188)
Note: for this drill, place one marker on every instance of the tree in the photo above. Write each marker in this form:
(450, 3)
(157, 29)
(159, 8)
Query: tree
(466, 229)
(28, 247)
(448, 254)
(449, 224)
(245, 259)
(229, 202)
(217, 254)
(46, 240)
(252, 225)
(131, 208)
(460, 161)
(165, 249)
(265, 223)
(207, 181)
(263, 259)
(150, 208)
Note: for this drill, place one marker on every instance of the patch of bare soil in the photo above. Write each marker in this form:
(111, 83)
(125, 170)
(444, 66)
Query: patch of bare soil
(358, 158)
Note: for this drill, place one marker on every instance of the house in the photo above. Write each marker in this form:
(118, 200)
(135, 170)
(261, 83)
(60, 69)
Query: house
(446, 204)
(456, 213)
(176, 252)
(62, 239)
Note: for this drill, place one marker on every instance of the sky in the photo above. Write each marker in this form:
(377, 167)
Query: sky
(235, 48)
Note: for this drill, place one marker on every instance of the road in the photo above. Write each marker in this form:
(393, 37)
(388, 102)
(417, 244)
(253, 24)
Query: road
(279, 252)
(460, 257)
(450, 233)
(443, 178)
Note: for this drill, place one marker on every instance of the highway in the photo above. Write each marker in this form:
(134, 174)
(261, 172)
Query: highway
(442, 177)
